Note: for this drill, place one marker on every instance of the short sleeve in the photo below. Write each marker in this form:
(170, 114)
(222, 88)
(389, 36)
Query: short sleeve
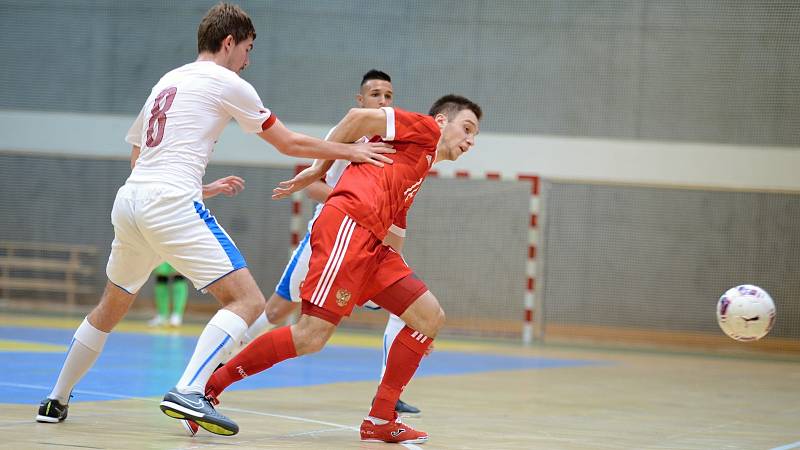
(134, 135)
(242, 102)
(398, 226)
(409, 126)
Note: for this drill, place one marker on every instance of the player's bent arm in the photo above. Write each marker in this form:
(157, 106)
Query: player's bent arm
(360, 122)
(318, 191)
(395, 241)
(135, 150)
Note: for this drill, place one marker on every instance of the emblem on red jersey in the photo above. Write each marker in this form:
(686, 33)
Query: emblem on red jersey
(342, 297)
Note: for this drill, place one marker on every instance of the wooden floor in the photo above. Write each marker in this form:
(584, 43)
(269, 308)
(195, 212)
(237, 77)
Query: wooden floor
(628, 400)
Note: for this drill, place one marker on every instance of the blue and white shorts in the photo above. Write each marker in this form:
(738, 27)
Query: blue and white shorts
(295, 272)
(153, 224)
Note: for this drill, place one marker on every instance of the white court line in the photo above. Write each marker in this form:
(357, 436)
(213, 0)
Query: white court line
(336, 426)
(411, 446)
(299, 419)
(77, 391)
(787, 446)
(319, 422)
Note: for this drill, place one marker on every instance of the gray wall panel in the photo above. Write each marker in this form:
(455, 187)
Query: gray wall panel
(711, 71)
(69, 200)
(660, 258)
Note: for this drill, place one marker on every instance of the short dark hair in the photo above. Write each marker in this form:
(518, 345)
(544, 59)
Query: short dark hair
(221, 20)
(375, 74)
(452, 104)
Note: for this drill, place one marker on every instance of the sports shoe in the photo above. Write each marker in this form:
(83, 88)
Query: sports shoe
(157, 321)
(190, 426)
(405, 409)
(51, 411)
(175, 320)
(393, 432)
(198, 408)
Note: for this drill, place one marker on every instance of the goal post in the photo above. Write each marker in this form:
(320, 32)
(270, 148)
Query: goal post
(472, 237)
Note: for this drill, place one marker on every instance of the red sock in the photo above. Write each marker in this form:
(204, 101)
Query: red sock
(261, 354)
(404, 356)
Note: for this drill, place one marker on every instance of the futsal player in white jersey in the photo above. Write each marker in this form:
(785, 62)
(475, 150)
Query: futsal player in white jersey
(375, 91)
(159, 215)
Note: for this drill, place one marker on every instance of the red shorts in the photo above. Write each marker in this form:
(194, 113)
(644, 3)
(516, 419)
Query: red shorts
(349, 266)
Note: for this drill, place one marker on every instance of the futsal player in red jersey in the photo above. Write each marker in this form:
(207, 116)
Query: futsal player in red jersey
(355, 243)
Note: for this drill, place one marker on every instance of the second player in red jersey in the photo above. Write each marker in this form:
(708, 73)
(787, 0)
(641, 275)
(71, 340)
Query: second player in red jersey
(356, 242)
(375, 199)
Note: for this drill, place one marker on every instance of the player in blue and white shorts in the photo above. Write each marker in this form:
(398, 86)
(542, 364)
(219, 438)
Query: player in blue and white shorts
(159, 215)
(375, 92)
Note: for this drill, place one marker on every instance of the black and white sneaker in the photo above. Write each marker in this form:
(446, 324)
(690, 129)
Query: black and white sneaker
(51, 411)
(197, 408)
(405, 409)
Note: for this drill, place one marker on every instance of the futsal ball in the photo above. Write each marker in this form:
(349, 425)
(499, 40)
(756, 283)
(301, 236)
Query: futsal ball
(746, 312)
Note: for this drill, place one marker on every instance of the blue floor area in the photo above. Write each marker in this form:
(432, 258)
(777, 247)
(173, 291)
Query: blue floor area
(142, 365)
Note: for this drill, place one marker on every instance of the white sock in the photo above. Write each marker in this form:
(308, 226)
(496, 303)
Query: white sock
(256, 329)
(219, 337)
(393, 326)
(87, 343)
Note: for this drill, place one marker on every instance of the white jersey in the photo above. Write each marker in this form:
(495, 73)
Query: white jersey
(182, 119)
(332, 177)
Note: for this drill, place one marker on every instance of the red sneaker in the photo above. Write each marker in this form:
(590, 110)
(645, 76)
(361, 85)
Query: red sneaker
(190, 426)
(394, 432)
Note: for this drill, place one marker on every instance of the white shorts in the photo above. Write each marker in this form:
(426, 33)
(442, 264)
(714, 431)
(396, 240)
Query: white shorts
(155, 224)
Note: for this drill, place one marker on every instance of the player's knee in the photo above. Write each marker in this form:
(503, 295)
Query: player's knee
(432, 322)
(441, 319)
(310, 336)
(436, 322)
(273, 316)
(275, 313)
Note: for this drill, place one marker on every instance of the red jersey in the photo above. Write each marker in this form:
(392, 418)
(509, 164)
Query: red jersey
(378, 198)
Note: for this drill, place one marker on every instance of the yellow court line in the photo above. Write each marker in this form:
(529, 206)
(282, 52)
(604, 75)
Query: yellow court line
(368, 339)
(25, 346)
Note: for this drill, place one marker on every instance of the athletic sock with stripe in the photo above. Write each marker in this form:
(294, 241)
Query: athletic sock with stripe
(219, 337)
(404, 356)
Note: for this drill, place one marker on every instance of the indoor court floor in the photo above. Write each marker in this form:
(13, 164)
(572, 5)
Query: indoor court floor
(474, 395)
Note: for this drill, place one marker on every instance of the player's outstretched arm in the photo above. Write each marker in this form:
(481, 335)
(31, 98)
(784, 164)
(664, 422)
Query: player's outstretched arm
(229, 186)
(299, 145)
(318, 191)
(302, 179)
